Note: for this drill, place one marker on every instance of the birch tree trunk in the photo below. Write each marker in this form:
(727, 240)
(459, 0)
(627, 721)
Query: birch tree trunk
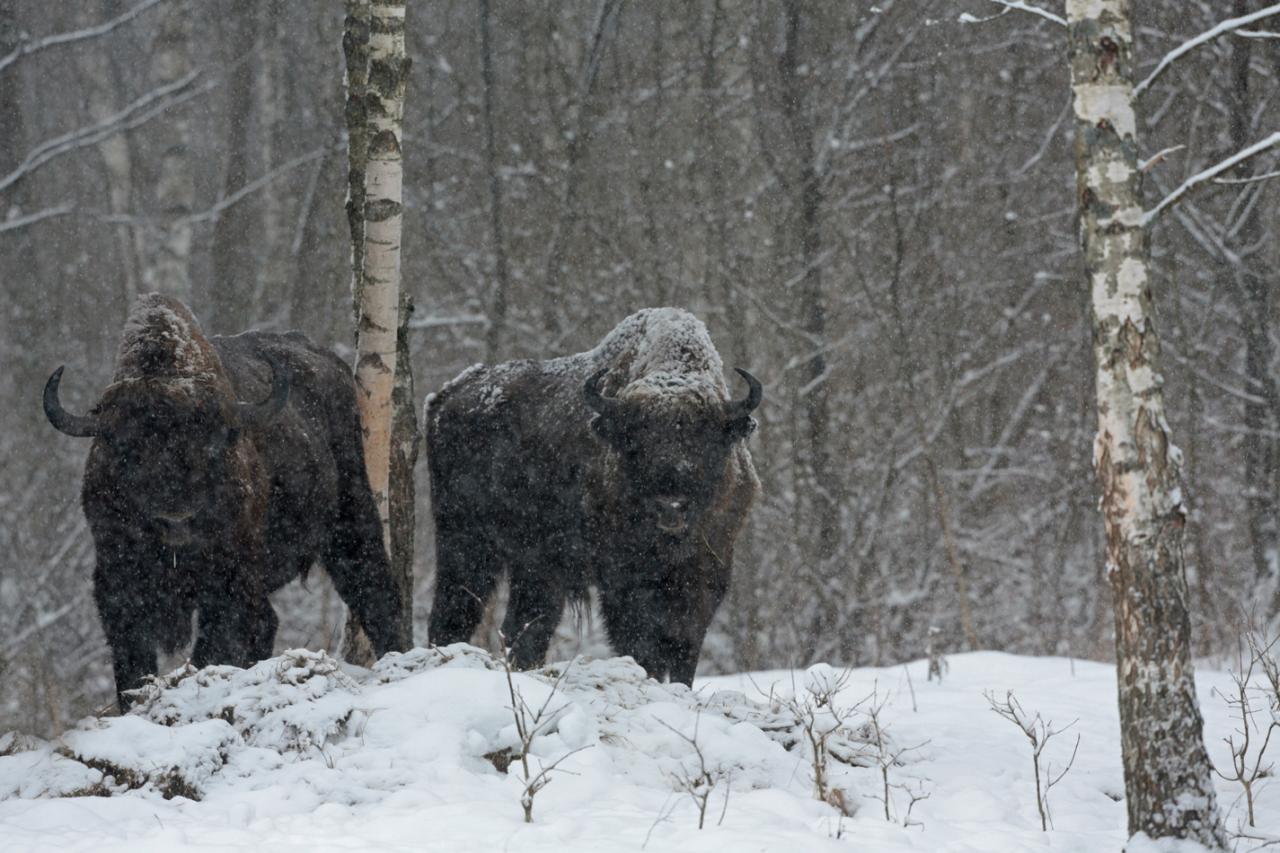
(377, 286)
(1168, 786)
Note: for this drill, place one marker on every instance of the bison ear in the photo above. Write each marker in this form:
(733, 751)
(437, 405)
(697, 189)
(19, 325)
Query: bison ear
(739, 427)
(608, 428)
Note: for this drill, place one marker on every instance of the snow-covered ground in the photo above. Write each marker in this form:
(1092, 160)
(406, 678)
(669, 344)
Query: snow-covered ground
(301, 754)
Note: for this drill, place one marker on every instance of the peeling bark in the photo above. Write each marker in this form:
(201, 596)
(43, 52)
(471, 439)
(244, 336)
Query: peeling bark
(1169, 791)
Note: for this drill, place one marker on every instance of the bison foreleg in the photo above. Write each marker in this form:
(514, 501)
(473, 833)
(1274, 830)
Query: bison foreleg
(231, 631)
(129, 634)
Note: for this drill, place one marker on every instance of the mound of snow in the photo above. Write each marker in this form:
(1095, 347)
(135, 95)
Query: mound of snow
(423, 752)
(358, 738)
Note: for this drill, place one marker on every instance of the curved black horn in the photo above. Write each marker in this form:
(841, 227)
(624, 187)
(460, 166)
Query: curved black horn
(755, 393)
(596, 401)
(80, 426)
(260, 414)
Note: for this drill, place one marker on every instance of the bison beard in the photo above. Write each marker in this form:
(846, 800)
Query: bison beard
(200, 503)
(625, 466)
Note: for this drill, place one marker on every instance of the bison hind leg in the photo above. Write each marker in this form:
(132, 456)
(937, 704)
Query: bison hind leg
(467, 571)
(533, 613)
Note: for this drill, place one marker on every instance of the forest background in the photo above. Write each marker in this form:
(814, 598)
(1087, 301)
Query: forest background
(871, 206)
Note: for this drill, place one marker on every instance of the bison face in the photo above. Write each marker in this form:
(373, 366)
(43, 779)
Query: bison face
(672, 452)
(170, 464)
(165, 453)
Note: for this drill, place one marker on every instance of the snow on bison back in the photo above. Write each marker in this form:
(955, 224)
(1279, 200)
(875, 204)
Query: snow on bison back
(625, 466)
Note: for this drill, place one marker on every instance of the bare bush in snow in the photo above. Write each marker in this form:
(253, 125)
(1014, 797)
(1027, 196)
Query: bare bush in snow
(1039, 732)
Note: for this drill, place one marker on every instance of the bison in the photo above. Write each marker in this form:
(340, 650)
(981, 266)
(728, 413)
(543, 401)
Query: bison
(201, 502)
(625, 467)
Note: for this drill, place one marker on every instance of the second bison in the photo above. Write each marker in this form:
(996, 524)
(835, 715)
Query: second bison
(625, 467)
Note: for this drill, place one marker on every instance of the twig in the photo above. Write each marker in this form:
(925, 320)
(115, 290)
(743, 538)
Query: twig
(698, 786)
(1038, 732)
(1158, 158)
(1252, 179)
(529, 725)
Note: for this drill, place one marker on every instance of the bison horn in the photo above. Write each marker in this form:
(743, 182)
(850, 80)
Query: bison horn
(260, 414)
(81, 426)
(596, 401)
(755, 392)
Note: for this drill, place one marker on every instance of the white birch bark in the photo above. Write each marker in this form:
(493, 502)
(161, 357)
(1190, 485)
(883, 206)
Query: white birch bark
(376, 230)
(380, 296)
(1168, 787)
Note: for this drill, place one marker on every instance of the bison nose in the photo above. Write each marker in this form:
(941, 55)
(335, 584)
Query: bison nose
(671, 512)
(174, 527)
(174, 517)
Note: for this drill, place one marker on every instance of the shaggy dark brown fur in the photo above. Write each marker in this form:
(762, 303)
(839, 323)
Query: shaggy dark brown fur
(201, 503)
(625, 467)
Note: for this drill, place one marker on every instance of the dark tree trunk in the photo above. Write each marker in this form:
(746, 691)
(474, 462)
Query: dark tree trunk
(501, 277)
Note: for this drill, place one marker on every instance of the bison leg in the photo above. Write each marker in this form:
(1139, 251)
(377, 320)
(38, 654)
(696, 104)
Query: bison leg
(466, 573)
(682, 661)
(128, 630)
(234, 631)
(533, 613)
(357, 563)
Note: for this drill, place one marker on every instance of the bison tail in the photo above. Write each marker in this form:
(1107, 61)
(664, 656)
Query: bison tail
(579, 598)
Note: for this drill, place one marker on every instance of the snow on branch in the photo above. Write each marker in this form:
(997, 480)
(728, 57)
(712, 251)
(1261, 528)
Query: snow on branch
(1229, 25)
(1252, 179)
(26, 47)
(1207, 175)
(27, 219)
(1010, 5)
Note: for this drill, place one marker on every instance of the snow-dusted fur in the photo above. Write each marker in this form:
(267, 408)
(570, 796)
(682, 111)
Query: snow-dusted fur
(526, 477)
(195, 505)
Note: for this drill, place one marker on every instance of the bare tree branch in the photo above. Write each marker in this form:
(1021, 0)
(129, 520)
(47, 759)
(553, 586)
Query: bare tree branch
(1195, 180)
(1252, 179)
(1229, 25)
(1010, 5)
(143, 109)
(26, 48)
(39, 216)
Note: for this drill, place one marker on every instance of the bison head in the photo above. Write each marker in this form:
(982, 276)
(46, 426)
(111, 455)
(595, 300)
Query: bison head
(166, 448)
(672, 447)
